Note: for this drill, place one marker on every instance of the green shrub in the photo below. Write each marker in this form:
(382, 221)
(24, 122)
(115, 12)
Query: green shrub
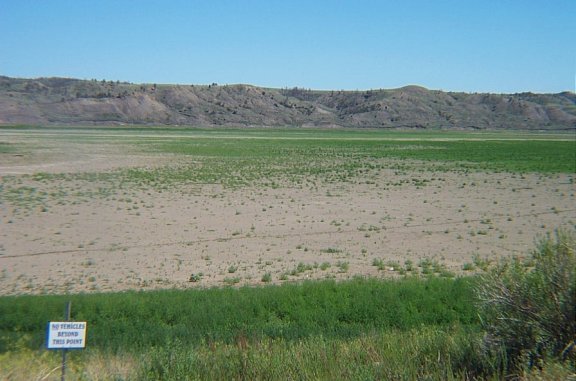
(343, 266)
(377, 262)
(529, 310)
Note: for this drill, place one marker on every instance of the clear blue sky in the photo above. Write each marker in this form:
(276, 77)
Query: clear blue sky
(501, 46)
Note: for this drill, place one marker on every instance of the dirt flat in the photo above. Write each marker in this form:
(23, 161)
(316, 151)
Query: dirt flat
(135, 239)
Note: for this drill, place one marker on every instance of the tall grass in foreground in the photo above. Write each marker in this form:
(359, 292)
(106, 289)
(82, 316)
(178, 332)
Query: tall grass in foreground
(135, 321)
(312, 330)
(425, 353)
(422, 353)
(430, 353)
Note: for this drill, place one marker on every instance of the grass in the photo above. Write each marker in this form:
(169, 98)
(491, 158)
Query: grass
(290, 312)
(437, 354)
(246, 161)
(7, 148)
(319, 330)
(374, 356)
(413, 328)
(270, 158)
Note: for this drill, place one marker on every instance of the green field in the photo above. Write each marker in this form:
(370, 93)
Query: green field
(271, 158)
(264, 157)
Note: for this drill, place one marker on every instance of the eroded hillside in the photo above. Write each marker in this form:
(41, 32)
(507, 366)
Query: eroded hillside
(61, 101)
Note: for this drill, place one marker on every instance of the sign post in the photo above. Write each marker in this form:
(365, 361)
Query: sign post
(67, 318)
(66, 335)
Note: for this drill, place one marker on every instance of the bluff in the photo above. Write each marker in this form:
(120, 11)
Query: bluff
(68, 101)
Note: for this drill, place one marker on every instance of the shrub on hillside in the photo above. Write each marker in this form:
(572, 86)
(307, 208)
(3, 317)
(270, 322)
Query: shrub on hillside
(528, 306)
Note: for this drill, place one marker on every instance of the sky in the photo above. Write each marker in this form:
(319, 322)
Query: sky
(497, 46)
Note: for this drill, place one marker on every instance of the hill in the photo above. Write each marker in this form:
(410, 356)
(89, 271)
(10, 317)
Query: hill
(63, 101)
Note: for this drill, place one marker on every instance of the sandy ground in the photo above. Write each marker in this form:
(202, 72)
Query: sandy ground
(148, 239)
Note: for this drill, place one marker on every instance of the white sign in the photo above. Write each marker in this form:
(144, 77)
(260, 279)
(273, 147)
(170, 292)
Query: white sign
(66, 335)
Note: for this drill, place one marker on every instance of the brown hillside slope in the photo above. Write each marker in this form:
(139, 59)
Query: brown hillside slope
(62, 101)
